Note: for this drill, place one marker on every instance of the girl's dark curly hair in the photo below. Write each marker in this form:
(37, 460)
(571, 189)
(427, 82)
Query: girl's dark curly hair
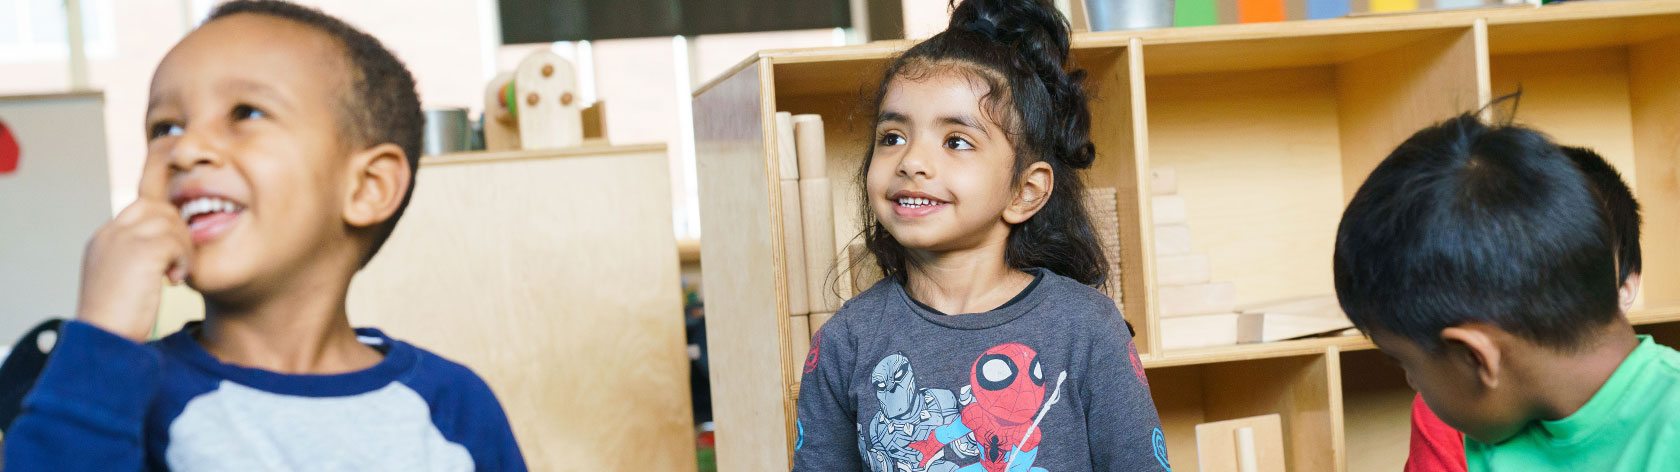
(1019, 49)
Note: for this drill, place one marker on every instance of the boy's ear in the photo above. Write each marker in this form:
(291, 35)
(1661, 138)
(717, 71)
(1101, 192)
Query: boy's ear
(1629, 291)
(1034, 191)
(379, 177)
(1475, 346)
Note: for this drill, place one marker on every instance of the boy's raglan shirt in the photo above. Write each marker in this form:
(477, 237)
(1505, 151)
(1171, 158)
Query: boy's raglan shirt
(106, 403)
(1049, 381)
(1631, 424)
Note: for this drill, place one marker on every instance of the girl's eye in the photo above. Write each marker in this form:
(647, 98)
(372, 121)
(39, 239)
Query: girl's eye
(247, 112)
(958, 144)
(163, 128)
(891, 139)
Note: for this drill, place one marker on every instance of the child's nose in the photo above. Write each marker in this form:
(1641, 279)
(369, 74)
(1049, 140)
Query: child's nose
(916, 162)
(193, 149)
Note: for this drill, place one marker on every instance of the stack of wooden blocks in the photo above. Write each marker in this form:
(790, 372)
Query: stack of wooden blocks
(816, 284)
(1103, 209)
(1195, 311)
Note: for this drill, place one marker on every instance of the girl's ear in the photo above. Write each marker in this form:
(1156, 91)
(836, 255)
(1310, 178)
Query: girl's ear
(378, 178)
(1034, 191)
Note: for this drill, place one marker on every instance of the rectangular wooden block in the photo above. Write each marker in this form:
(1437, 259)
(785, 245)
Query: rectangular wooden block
(1172, 240)
(1185, 269)
(1290, 319)
(865, 272)
(818, 219)
(817, 321)
(799, 343)
(1182, 300)
(1163, 181)
(812, 146)
(1253, 444)
(1168, 209)
(787, 151)
(793, 229)
(1199, 331)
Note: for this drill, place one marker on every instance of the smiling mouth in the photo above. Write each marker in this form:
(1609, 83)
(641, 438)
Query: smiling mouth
(913, 202)
(209, 217)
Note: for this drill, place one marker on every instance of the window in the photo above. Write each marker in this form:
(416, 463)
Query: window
(34, 30)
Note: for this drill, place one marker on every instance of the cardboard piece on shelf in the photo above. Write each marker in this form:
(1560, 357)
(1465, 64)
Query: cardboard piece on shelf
(818, 219)
(1168, 209)
(787, 151)
(1102, 207)
(1184, 300)
(793, 231)
(1163, 181)
(549, 112)
(812, 147)
(1185, 269)
(1172, 240)
(1253, 444)
(799, 343)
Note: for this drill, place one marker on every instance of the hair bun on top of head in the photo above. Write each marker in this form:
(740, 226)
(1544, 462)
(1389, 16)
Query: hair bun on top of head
(1039, 38)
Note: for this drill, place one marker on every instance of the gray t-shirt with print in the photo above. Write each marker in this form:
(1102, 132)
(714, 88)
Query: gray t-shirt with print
(1050, 381)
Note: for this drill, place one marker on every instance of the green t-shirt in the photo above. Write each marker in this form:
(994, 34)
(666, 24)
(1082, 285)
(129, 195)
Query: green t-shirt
(1631, 424)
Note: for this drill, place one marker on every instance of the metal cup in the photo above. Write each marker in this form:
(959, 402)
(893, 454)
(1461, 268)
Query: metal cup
(447, 130)
(1114, 15)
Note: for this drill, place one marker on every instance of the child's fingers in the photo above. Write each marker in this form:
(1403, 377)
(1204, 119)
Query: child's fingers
(154, 181)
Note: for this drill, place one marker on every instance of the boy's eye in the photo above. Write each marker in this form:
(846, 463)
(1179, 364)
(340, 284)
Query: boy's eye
(161, 129)
(246, 112)
(959, 144)
(891, 139)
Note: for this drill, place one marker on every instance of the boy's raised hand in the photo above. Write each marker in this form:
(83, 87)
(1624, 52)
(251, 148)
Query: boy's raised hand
(127, 259)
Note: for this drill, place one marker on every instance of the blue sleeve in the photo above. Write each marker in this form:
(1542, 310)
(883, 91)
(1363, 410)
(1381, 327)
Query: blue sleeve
(88, 410)
(827, 424)
(466, 411)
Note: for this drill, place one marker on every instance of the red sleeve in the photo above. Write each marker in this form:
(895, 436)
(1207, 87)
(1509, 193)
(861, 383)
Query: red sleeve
(1436, 447)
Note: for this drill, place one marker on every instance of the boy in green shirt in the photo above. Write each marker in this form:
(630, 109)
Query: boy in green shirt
(1478, 256)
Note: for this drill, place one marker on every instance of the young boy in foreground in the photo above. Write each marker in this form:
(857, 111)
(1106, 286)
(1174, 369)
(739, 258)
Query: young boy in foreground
(282, 149)
(1437, 447)
(1480, 258)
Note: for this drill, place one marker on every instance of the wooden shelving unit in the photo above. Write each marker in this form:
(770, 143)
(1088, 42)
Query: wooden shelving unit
(1270, 128)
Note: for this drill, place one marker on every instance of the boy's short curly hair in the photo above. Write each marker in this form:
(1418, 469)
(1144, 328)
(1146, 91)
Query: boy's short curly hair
(381, 105)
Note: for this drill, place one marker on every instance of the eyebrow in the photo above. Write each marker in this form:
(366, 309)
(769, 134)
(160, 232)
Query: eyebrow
(959, 120)
(232, 86)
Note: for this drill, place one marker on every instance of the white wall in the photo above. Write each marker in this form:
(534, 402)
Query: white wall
(56, 198)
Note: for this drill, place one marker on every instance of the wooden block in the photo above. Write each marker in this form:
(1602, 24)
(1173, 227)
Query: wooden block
(595, 121)
(1182, 300)
(787, 152)
(1302, 317)
(1185, 269)
(1253, 444)
(1163, 181)
(818, 220)
(799, 344)
(793, 230)
(1172, 240)
(1168, 209)
(550, 115)
(818, 319)
(1199, 331)
(812, 147)
(501, 129)
(865, 272)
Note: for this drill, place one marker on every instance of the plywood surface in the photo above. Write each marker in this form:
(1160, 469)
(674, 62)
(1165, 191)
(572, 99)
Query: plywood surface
(576, 327)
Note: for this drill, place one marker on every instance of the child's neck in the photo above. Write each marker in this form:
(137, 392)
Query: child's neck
(1584, 372)
(303, 329)
(965, 281)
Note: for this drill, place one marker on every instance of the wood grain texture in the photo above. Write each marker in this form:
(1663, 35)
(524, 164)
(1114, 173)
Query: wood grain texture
(809, 140)
(492, 266)
(1653, 74)
(1217, 447)
(821, 269)
(793, 260)
(745, 297)
(550, 114)
(1386, 97)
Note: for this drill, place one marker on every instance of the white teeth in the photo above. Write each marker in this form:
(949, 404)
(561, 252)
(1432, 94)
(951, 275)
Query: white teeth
(204, 205)
(916, 202)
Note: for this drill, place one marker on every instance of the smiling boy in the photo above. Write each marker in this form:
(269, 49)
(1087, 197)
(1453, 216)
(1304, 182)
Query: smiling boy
(1481, 258)
(282, 145)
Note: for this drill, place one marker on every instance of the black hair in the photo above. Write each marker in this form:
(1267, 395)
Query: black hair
(1469, 221)
(381, 105)
(1622, 208)
(1019, 50)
